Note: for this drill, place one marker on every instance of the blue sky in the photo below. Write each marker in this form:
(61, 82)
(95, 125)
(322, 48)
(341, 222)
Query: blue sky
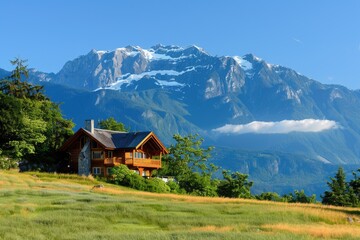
(320, 39)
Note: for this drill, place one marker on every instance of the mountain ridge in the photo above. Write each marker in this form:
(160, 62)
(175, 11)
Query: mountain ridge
(171, 89)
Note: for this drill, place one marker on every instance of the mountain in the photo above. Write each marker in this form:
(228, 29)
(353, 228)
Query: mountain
(242, 105)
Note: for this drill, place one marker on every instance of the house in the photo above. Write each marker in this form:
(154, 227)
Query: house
(95, 151)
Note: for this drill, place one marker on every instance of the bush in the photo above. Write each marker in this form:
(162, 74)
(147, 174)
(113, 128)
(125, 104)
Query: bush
(234, 185)
(123, 176)
(299, 197)
(157, 185)
(200, 185)
(269, 196)
(174, 187)
(120, 175)
(7, 163)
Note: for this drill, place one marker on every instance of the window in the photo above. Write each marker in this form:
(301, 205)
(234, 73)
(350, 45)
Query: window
(110, 154)
(108, 171)
(131, 154)
(97, 170)
(97, 155)
(140, 155)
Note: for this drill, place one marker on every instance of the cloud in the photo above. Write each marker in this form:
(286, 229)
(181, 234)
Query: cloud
(297, 40)
(282, 127)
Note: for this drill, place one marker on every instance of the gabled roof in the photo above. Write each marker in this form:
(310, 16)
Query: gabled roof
(114, 139)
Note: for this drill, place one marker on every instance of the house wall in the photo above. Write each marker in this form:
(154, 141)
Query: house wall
(74, 151)
(142, 166)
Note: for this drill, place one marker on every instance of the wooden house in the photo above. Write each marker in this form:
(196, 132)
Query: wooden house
(95, 151)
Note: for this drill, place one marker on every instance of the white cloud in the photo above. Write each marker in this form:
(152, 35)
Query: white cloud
(297, 40)
(282, 127)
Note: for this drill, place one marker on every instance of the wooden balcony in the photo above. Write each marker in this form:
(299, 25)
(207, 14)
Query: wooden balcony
(113, 160)
(143, 162)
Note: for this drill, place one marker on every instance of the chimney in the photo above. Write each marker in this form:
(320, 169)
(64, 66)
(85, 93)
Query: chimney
(89, 125)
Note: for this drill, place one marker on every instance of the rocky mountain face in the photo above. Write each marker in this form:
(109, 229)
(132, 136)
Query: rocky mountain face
(236, 103)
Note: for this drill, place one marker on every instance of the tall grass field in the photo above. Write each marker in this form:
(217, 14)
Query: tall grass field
(57, 206)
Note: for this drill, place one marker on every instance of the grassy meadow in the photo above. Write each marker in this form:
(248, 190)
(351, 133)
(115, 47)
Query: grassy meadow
(56, 206)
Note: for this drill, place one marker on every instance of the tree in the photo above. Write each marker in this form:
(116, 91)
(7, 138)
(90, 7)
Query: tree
(187, 156)
(341, 193)
(187, 161)
(112, 124)
(269, 196)
(13, 86)
(31, 126)
(234, 185)
(299, 197)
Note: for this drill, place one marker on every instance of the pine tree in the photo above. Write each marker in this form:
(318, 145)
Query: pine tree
(341, 193)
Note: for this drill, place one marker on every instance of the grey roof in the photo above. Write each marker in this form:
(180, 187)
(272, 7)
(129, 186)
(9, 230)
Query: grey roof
(115, 139)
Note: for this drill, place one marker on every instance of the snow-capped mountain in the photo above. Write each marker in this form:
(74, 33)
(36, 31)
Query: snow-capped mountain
(244, 103)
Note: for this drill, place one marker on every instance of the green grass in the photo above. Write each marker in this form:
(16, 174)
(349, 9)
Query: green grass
(58, 206)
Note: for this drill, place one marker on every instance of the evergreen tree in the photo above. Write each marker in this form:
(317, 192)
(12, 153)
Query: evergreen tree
(31, 126)
(341, 193)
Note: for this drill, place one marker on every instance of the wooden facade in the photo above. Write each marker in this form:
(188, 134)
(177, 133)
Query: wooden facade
(100, 150)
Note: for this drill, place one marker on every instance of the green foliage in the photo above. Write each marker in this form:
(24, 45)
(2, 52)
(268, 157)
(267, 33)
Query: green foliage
(13, 86)
(196, 184)
(112, 124)
(31, 126)
(157, 185)
(123, 176)
(354, 188)
(187, 161)
(341, 192)
(120, 175)
(269, 196)
(187, 156)
(6, 162)
(174, 187)
(299, 197)
(234, 185)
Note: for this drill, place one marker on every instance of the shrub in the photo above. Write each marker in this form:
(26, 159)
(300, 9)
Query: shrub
(174, 187)
(157, 185)
(269, 196)
(200, 185)
(6, 162)
(299, 197)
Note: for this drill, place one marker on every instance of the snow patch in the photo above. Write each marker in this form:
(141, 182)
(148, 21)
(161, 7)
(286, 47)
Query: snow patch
(129, 78)
(322, 159)
(335, 94)
(244, 64)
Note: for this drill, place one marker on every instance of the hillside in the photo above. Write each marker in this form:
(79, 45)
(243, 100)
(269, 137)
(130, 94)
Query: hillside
(54, 206)
(239, 104)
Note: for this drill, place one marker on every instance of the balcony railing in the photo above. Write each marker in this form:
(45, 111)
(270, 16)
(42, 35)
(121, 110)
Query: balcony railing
(143, 162)
(113, 160)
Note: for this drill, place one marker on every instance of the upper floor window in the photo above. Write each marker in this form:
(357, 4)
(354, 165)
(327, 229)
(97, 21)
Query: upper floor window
(110, 154)
(97, 155)
(140, 155)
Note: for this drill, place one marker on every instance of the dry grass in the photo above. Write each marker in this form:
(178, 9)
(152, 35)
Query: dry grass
(38, 196)
(319, 231)
(212, 228)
